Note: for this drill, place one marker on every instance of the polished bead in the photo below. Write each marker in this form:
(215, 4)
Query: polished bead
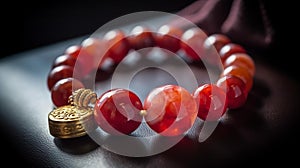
(192, 42)
(117, 111)
(241, 73)
(63, 89)
(64, 60)
(86, 60)
(241, 60)
(73, 50)
(58, 73)
(141, 37)
(168, 37)
(171, 110)
(235, 90)
(97, 49)
(211, 101)
(118, 45)
(230, 49)
(217, 41)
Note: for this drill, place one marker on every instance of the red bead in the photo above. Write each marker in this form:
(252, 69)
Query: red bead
(230, 49)
(63, 89)
(141, 37)
(192, 43)
(117, 111)
(217, 41)
(241, 60)
(211, 102)
(73, 50)
(117, 44)
(64, 60)
(171, 110)
(58, 73)
(86, 60)
(235, 91)
(96, 49)
(168, 37)
(241, 73)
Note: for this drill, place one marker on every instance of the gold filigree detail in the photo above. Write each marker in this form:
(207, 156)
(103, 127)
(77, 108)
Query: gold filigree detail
(83, 97)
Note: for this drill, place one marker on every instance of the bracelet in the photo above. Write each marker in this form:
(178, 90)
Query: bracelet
(169, 110)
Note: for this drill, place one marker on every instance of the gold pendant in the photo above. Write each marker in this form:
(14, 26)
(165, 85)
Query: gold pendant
(71, 121)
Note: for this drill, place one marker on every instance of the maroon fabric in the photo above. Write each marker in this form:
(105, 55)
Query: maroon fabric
(245, 22)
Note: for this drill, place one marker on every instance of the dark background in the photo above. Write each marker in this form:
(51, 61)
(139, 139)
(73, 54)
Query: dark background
(33, 24)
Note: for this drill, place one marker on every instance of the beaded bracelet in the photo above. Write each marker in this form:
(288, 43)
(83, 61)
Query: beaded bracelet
(169, 110)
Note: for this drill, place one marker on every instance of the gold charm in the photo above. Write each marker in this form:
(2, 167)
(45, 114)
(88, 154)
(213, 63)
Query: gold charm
(70, 121)
(82, 97)
(76, 119)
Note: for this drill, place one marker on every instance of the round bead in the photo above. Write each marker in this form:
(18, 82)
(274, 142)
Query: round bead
(58, 73)
(241, 60)
(171, 110)
(141, 37)
(192, 43)
(217, 41)
(80, 54)
(168, 37)
(73, 50)
(96, 49)
(65, 60)
(118, 45)
(211, 102)
(230, 49)
(235, 91)
(241, 73)
(117, 111)
(63, 89)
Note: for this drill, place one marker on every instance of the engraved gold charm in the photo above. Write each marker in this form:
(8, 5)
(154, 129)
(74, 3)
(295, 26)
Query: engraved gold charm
(76, 119)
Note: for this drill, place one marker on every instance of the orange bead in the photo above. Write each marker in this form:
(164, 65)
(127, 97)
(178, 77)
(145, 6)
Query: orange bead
(240, 72)
(241, 60)
(171, 110)
(230, 49)
(217, 41)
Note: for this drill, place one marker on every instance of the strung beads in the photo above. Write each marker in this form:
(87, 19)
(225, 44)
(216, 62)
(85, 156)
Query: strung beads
(169, 110)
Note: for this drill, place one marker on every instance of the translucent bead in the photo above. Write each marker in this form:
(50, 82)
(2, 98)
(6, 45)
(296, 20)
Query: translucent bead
(63, 89)
(96, 49)
(192, 43)
(211, 102)
(58, 73)
(235, 91)
(241, 73)
(241, 60)
(80, 54)
(118, 45)
(171, 110)
(168, 37)
(230, 49)
(141, 37)
(217, 41)
(64, 60)
(117, 111)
